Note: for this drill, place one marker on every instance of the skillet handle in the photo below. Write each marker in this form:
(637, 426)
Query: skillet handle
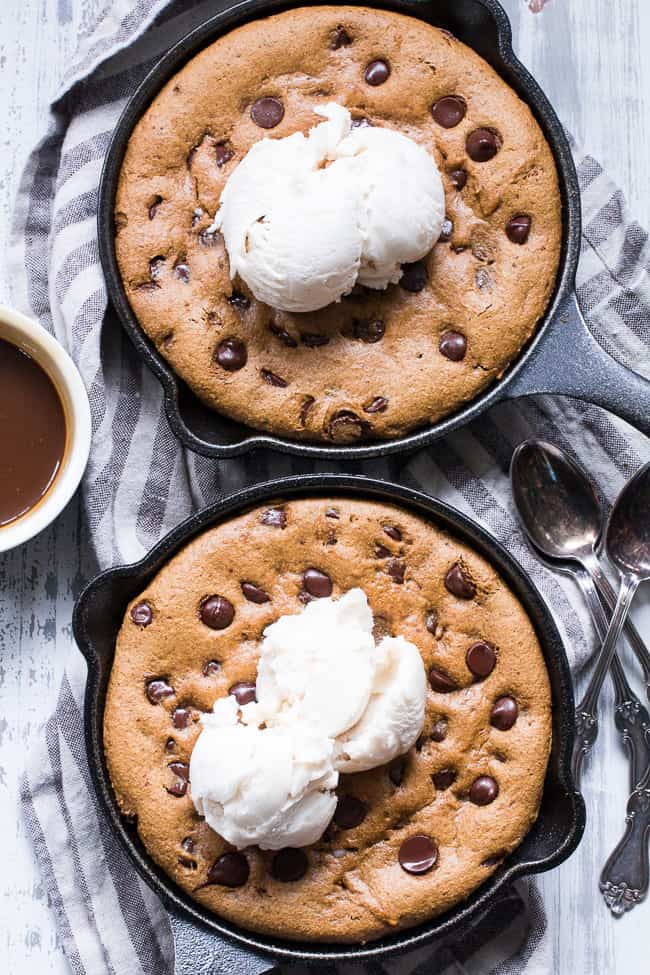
(569, 361)
(198, 951)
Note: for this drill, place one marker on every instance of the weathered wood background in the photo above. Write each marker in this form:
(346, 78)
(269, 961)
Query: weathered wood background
(592, 58)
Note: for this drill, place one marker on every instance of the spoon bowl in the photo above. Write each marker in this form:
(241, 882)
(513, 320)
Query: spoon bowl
(628, 531)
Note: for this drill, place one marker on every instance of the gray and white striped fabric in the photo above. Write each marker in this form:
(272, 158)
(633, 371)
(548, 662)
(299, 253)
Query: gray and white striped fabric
(140, 483)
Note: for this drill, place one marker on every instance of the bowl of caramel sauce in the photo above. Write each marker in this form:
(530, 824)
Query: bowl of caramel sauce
(45, 428)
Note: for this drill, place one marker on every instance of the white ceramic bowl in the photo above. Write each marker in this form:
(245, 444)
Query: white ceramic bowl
(30, 336)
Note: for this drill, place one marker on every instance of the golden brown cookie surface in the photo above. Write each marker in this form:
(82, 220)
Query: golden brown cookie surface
(469, 790)
(376, 364)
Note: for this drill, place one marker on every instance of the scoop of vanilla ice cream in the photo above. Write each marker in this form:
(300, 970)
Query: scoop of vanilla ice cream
(269, 787)
(306, 217)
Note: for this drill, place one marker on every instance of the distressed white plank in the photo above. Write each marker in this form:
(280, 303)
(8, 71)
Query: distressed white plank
(591, 58)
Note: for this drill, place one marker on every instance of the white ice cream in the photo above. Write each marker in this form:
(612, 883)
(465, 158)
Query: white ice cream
(329, 700)
(305, 218)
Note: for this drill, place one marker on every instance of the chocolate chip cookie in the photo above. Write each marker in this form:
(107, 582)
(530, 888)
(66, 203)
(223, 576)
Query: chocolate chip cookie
(377, 364)
(407, 840)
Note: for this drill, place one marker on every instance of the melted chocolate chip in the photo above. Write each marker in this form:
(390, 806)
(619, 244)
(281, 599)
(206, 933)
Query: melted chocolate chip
(481, 658)
(382, 552)
(458, 178)
(505, 712)
(444, 778)
(345, 426)
(483, 790)
(254, 594)
(240, 301)
(340, 38)
(182, 272)
(449, 111)
(305, 409)
(350, 812)
(211, 668)
(392, 532)
(378, 405)
(188, 844)
(518, 228)
(431, 621)
(289, 865)
(275, 517)
(267, 112)
(332, 513)
(217, 612)
(318, 584)
(231, 354)
(155, 267)
(272, 379)
(369, 331)
(223, 153)
(157, 200)
(313, 340)
(453, 345)
(283, 335)
(482, 144)
(230, 870)
(141, 614)
(181, 717)
(244, 691)
(396, 771)
(158, 689)
(361, 122)
(439, 730)
(377, 72)
(457, 583)
(396, 569)
(441, 682)
(418, 854)
(170, 745)
(414, 277)
(447, 230)
(181, 770)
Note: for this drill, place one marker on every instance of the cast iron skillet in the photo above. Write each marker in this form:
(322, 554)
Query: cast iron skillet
(199, 948)
(563, 357)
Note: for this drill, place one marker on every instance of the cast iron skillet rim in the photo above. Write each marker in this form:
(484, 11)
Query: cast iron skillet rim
(237, 14)
(429, 508)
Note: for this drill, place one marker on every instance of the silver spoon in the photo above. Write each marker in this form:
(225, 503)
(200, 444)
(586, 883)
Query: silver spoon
(562, 516)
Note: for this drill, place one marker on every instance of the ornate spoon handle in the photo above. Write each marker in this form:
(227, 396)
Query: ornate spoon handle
(632, 635)
(624, 880)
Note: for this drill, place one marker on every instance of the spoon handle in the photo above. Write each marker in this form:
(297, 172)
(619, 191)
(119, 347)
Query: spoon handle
(630, 716)
(624, 880)
(632, 635)
(587, 711)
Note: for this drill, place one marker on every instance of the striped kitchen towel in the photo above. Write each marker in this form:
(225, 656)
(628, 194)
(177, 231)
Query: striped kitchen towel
(140, 483)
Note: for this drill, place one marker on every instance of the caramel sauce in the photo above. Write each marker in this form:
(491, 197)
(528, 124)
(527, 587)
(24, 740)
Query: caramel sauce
(32, 433)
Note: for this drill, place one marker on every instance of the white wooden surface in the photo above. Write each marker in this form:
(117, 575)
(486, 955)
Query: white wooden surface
(591, 56)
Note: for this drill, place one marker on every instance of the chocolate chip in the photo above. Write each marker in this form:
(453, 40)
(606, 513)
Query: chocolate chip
(418, 854)
(181, 717)
(377, 72)
(414, 277)
(483, 790)
(157, 200)
(231, 354)
(254, 594)
(458, 178)
(240, 301)
(244, 691)
(457, 583)
(350, 812)
(397, 770)
(272, 379)
(313, 340)
(340, 38)
(230, 870)
(361, 122)
(345, 426)
(170, 745)
(444, 778)
(317, 583)
(439, 730)
(305, 409)
(369, 331)
(332, 513)
(446, 231)
(505, 712)
(382, 552)
(188, 863)
(518, 228)
(217, 612)
(481, 658)
(155, 267)
(441, 682)
(267, 112)
(188, 844)
(181, 770)
(378, 405)
(392, 532)
(482, 144)
(223, 153)
(283, 335)
(275, 517)
(158, 689)
(449, 111)
(453, 345)
(396, 569)
(211, 668)
(182, 272)
(432, 621)
(289, 865)
(141, 613)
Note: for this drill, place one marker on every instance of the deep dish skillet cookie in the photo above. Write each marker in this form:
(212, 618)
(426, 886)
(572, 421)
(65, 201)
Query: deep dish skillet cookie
(408, 840)
(376, 364)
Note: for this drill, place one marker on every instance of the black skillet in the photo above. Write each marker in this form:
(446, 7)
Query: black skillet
(563, 357)
(198, 935)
